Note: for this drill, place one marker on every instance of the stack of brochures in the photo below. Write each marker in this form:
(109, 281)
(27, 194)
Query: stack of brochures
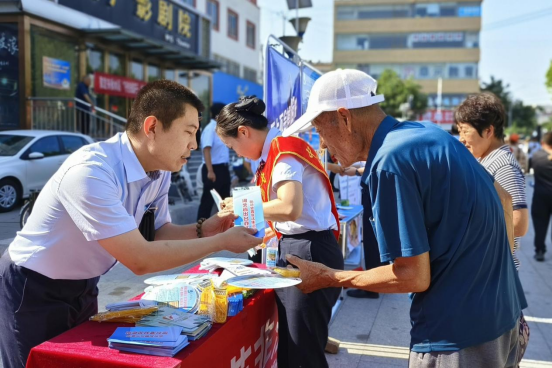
(192, 325)
(159, 341)
(133, 304)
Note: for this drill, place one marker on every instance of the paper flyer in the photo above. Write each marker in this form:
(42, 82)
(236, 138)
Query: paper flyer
(248, 205)
(217, 198)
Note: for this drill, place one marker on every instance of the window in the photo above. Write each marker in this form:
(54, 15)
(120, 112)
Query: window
(251, 33)
(94, 61)
(233, 25)
(72, 143)
(418, 10)
(190, 2)
(137, 70)
(213, 9)
(117, 65)
(228, 66)
(169, 74)
(154, 73)
(454, 72)
(11, 144)
(424, 72)
(250, 74)
(469, 71)
(48, 146)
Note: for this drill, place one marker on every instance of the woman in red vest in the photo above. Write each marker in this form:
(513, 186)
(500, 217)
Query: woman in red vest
(300, 208)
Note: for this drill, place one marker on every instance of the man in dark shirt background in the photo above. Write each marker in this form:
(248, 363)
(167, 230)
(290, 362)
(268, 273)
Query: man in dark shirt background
(541, 209)
(83, 111)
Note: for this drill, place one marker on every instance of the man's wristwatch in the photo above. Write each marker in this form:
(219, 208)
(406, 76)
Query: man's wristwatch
(357, 173)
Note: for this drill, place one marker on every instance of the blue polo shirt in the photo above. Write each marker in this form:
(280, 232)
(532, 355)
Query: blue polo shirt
(429, 194)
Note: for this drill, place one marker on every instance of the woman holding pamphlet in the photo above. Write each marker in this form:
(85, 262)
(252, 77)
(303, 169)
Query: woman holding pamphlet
(300, 208)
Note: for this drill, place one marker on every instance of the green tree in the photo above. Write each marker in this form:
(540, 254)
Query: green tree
(523, 117)
(549, 78)
(397, 92)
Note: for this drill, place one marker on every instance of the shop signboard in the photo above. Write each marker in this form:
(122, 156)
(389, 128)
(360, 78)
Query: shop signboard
(114, 85)
(56, 73)
(283, 90)
(228, 88)
(9, 76)
(162, 20)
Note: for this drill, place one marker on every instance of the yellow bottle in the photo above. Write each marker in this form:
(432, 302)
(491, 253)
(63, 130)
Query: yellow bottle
(221, 305)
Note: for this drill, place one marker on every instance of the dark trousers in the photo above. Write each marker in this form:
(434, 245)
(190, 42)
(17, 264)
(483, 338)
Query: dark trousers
(83, 121)
(221, 185)
(369, 242)
(303, 318)
(541, 210)
(35, 308)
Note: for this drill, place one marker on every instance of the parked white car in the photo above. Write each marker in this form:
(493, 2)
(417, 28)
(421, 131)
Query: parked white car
(28, 158)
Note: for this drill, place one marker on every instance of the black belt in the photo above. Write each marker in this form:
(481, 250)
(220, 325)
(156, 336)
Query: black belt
(312, 234)
(223, 164)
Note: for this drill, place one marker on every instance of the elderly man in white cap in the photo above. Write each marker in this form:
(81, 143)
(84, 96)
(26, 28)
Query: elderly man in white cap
(438, 220)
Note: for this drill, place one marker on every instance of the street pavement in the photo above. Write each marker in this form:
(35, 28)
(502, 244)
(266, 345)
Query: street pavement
(373, 333)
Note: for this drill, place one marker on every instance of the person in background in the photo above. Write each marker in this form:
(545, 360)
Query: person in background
(480, 119)
(83, 111)
(532, 147)
(215, 173)
(437, 216)
(521, 157)
(298, 202)
(541, 207)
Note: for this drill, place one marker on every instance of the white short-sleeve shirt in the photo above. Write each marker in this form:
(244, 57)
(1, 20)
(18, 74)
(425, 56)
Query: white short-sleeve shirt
(317, 207)
(99, 192)
(209, 138)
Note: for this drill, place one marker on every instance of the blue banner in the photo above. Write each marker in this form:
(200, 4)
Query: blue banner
(309, 77)
(283, 90)
(228, 88)
(56, 73)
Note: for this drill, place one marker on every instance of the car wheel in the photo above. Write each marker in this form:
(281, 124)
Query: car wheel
(10, 194)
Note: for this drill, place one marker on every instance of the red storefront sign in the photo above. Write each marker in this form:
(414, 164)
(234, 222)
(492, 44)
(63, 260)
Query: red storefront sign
(114, 85)
(445, 117)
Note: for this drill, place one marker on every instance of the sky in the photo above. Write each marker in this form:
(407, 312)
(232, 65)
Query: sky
(519, 53)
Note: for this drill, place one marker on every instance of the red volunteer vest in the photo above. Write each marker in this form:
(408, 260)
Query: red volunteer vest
(300, 149)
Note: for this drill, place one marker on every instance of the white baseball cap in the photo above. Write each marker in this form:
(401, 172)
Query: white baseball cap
(347, 88)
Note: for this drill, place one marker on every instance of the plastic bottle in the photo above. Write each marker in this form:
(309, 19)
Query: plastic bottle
(272, 252)
(221, 305)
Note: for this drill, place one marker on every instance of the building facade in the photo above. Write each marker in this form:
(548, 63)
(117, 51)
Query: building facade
(125, 43)
(235, 45)
(420, 39)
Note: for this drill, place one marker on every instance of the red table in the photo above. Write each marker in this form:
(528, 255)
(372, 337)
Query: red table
(249, 339)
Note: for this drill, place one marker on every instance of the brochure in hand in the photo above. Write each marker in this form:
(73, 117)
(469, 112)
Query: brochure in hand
(159, 341)
(248, 206)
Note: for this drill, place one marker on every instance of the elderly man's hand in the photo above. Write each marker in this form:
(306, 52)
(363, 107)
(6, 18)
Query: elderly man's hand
(314, 275)
(218, 223)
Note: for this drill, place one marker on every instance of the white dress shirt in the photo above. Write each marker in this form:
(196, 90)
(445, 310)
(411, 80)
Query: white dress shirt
(317, 207)
(209, 138)
(99, 192)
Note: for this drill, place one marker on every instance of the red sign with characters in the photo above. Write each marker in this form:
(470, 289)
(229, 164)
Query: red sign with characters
(114, 85)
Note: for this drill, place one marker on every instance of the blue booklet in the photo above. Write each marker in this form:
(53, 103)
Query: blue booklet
(160, 341)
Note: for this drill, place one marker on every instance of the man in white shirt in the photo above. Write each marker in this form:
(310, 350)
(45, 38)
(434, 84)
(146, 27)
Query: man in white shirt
(215, 173)
(86, 219)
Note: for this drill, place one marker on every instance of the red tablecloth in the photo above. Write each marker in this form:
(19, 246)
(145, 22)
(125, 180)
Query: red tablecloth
(248, 339)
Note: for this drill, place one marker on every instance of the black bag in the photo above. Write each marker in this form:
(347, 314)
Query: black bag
(147, 225)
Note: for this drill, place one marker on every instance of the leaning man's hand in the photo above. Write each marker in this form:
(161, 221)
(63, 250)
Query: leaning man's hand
(218, 223)
(314, 275)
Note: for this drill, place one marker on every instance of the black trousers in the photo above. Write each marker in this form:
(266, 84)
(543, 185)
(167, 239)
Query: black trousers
(541, 210)
(35, 308)
(369, 242)
(303, 318)
(221, 185)
(83, 119)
